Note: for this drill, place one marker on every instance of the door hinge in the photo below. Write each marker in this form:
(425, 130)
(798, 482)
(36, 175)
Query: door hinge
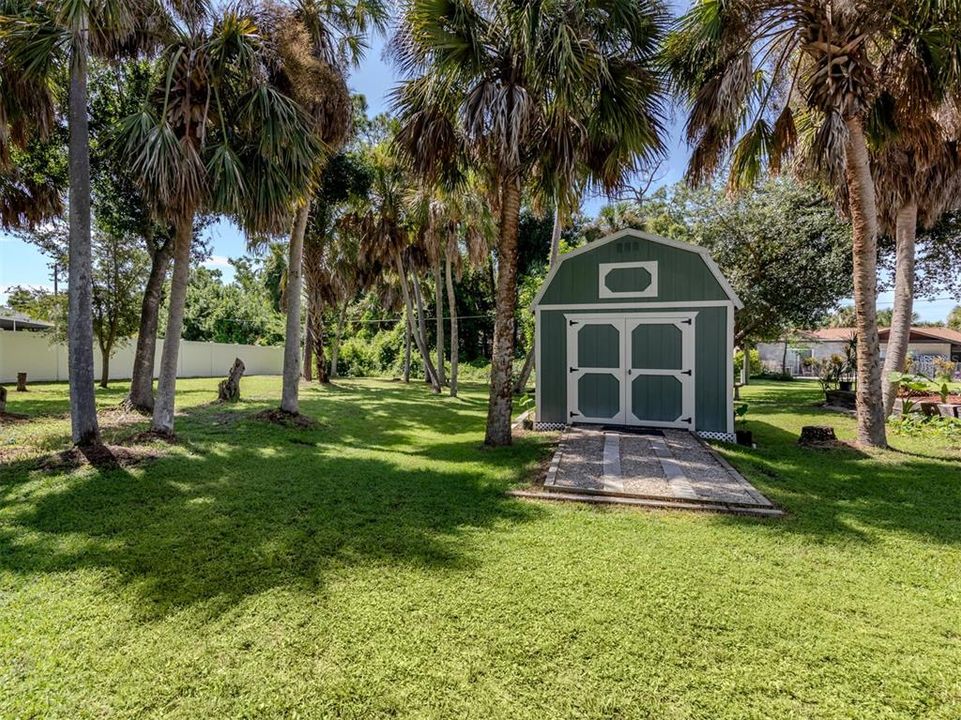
(686, 420)
(686, 372)
(688, 321)
(572, 369)
(573, 322)
(574, 413)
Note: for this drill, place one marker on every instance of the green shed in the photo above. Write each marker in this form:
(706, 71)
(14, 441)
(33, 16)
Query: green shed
(636, 330)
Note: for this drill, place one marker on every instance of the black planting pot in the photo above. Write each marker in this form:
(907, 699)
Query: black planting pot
(744, 437)
(846, 385)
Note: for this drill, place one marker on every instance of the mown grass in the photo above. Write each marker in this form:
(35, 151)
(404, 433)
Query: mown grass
(372, 567)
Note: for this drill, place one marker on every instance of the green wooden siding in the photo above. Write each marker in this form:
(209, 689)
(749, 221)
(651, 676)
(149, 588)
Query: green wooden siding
(710, 370)
(682, 274)
(682, 277)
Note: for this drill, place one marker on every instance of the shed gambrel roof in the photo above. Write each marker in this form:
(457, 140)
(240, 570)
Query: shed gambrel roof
(705, 256)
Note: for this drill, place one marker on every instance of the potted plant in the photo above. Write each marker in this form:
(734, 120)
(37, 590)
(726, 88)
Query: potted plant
(744, 436)
(849, 370)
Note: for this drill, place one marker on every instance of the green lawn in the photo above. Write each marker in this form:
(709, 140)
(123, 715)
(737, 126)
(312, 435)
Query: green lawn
(373, 567)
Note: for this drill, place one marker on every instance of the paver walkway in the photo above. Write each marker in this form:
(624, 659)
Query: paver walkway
(660, 468)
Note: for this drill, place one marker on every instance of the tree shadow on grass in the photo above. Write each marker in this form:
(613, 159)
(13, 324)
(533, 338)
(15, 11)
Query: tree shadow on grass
(242, 509)
(846, 494)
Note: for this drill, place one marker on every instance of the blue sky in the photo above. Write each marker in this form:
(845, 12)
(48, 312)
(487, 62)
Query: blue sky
(22, 264)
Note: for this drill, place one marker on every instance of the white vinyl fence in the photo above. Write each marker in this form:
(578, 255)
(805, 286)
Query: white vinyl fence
(35, 354)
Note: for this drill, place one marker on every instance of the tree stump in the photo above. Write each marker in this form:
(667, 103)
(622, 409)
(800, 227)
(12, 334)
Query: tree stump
(817, 435)
(21, 382)
(3, 399)
(229, 389)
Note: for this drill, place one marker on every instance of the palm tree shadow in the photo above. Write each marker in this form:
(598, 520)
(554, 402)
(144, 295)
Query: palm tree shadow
(243, 509)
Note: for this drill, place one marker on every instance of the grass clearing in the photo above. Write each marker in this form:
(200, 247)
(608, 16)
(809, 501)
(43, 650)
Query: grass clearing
(372, 567)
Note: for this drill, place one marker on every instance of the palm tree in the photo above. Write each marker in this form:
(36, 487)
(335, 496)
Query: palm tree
(916, 159)
(915, 186)
(320, 39)
(386, 221)
(520, 90)
(219, 134)
(40, 42)
(460, 220)
(763, 79)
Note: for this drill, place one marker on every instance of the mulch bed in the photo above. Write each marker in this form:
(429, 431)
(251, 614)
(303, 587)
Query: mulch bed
(105, 457)
(286, 419)
(952, 399)
(8, 417)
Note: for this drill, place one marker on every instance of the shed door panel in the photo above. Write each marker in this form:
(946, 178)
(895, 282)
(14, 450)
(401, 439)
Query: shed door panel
(631, 370)
(595, 383)
(660, 371)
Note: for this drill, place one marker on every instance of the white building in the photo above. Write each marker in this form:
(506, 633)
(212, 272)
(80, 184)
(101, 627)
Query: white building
(925, 344)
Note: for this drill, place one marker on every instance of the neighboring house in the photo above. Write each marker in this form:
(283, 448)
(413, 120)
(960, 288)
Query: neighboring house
(925, 344)
(13, 320)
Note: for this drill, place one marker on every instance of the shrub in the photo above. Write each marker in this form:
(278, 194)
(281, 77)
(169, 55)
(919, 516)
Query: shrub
(754, 368)
(943, 369)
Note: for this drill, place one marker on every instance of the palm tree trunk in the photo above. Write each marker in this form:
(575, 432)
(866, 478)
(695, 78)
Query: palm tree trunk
(163, 410)
(900, 333)
(407, 335)
(308, 349)
(502, 355)
(556, 237)
(409, 305)
(431, 373)
(317, 340)
(439, 320)
(871, 430)
(141, 377)
(104, 367)
(335, 343)
(83, 406)
(454, 329)
(289, 401)
(528, 367)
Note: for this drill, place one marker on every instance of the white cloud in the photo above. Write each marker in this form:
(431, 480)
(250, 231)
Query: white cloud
(217, 261)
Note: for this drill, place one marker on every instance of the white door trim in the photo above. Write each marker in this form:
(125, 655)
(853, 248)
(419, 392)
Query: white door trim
(625, 324)
(685, 375)
(575, 324)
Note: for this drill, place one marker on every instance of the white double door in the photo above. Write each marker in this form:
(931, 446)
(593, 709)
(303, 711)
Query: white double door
(631, 370)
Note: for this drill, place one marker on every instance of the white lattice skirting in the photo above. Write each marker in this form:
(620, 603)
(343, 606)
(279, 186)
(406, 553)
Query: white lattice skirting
(719, 436)
(548, 427)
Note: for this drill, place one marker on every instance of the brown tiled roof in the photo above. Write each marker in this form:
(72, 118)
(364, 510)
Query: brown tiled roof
(840, 334)
(833, 334)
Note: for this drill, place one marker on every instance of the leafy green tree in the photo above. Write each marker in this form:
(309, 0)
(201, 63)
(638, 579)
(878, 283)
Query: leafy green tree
(491, 86)
(954, 318)
(119, 270)
(37, 303)
(334, 266)
(780, 243)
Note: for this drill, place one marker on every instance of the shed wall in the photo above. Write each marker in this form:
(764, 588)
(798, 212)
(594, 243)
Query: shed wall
(710, 365)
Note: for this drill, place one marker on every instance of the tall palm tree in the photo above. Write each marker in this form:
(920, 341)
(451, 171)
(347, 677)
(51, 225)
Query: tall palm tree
(384, 221)
(219, 134)
(763, 78)
(41, 42)
(548, 91)
(320, 40)
(461, 227)
(916, 155)
(916, 186)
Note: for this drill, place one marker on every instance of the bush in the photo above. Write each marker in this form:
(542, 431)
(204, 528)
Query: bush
(754, 368)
